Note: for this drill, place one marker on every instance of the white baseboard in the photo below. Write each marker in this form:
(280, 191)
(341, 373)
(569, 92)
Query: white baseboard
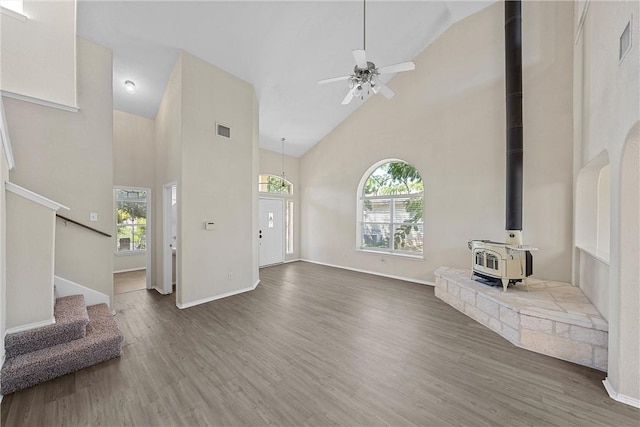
(64, 287)
(620, 397)
(130, 269)
(375, 273)
(33, 325)
(217, 297)
(160, 290)
(292, 260)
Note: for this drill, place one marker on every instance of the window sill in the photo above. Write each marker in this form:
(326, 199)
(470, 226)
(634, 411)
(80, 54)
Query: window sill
(393, 254)
(130, 253)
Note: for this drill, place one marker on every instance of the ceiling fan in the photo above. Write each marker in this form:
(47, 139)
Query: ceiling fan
(365, 78)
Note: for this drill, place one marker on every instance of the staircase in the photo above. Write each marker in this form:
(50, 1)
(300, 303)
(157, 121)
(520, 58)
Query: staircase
(81, 337)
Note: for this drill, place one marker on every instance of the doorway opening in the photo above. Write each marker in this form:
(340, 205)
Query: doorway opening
(170, 254)
(132, 259)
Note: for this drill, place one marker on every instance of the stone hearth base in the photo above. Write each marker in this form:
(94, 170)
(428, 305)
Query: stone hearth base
(552, 318)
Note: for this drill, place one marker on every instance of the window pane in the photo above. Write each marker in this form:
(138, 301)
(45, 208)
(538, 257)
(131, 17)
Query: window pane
(376, 210)
(408, 237)
(408, 210)
(376, 236)
(393, 178)
(131, 220)
(274, 184)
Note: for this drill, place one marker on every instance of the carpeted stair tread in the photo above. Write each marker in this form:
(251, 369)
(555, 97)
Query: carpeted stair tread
(71, 322)
(103, 341)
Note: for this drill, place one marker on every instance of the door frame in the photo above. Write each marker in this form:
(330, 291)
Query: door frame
(167, 255)
(284, 245)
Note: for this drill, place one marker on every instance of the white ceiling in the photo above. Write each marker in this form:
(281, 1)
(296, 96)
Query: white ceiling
(281, 47)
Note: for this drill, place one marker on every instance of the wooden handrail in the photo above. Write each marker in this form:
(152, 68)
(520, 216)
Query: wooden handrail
(65, 219)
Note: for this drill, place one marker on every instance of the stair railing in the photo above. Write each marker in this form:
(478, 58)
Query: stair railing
(65, 219)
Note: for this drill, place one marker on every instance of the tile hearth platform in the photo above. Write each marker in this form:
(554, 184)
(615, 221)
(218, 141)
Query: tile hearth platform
(551, 318)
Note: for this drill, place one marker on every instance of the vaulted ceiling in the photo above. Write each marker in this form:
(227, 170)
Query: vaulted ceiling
(281, 47)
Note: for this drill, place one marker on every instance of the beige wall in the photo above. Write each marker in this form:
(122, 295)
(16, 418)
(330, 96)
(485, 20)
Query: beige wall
(43, 63)
(30, 261)
(448, 120)
(133, 150)
(607, 117)
(74, 166)
(4, 177)
(168, 163)
(271, 163)
(217, 183)
(133, 166)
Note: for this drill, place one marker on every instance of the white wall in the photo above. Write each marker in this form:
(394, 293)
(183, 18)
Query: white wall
(39, 54)
(30, 261)
(168, 162)
(271, 163)
(4, 177)
(133, 166)
(74, 166)
(448, 120)
(218, 183)
(607, 117)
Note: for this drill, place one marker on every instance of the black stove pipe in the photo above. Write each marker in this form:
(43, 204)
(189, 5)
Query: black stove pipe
(513, 60)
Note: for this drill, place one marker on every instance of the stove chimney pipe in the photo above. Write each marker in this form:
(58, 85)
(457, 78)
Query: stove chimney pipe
(514, 160)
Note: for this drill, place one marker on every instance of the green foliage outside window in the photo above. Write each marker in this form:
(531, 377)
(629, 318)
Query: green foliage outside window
(398, 217)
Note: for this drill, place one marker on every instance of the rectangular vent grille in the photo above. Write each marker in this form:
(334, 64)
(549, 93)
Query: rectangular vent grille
(625, 41)
(223, 131)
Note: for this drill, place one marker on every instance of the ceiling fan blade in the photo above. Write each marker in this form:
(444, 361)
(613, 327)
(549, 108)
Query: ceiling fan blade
(347, 99)
(384, 90)
(333, 79)
(403, 66)
(361, 58)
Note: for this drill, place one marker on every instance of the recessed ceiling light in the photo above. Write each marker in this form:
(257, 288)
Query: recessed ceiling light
(130, 86)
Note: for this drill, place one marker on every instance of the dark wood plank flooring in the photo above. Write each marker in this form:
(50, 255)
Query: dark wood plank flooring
(317, 346)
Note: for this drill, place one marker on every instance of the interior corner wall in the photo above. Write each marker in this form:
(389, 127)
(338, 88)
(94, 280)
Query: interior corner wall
(133, 166)
(607, 115)
(73, 166)
(217, 183)
(254, 197)
(41, 51)
(271, 163)
(4, 177)
(168, 165)
(448, 120)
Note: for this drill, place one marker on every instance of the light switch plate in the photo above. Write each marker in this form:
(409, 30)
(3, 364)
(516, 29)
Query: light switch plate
(209, 226)
(93, 216)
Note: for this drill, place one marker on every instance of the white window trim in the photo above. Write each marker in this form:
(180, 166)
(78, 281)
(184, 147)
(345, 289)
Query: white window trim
(147, 231)
(359, 222)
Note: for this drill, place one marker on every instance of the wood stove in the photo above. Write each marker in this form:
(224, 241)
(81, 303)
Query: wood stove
(509, 262)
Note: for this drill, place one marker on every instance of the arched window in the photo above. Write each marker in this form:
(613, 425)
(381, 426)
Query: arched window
(274, 184)
(390, 209)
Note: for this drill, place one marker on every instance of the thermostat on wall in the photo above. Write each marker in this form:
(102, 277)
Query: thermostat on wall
(209, 225)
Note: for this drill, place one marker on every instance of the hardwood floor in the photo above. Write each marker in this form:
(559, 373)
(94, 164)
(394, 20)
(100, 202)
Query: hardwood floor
(318, 346)
(129, 281)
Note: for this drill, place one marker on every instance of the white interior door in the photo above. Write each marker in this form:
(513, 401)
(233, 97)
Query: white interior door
(271, 232)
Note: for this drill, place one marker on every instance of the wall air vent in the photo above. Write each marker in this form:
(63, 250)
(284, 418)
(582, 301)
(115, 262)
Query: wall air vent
(625, 41)
(223, 131)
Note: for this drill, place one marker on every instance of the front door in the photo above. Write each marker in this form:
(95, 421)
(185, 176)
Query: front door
(271, 231)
